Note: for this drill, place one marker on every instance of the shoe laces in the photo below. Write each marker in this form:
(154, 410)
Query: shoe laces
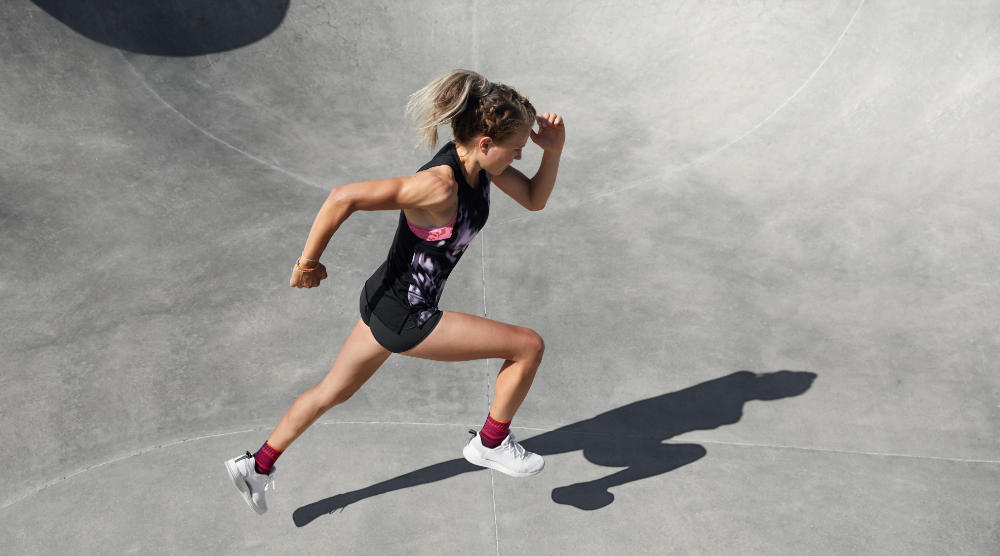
(514, 447)
(269, 482)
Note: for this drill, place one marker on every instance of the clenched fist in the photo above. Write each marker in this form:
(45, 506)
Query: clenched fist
(307, 279)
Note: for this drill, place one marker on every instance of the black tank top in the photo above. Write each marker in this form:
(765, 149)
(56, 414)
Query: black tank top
(412, 278)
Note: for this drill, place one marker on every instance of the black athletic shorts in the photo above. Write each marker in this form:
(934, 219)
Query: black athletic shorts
(407, 338)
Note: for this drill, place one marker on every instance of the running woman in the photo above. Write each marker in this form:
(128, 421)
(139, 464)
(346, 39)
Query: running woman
(441, 209)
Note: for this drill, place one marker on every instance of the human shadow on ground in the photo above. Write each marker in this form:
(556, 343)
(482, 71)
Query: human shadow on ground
(170, 27)
(630, 437)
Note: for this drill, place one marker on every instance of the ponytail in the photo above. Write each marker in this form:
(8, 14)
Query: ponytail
(471, 104)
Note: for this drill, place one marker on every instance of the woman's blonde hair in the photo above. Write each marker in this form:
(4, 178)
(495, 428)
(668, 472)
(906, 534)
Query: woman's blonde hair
(472, 105)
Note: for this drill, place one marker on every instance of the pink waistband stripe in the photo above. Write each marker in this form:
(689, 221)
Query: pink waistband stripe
(433, 234)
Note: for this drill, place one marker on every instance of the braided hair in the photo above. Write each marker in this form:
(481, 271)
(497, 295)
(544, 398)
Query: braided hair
(473, 105)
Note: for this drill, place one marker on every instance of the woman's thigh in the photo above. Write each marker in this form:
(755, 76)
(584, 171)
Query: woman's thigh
(465, 337)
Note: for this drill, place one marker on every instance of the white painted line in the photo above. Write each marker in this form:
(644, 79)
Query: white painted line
(212, 136)
(704, 156)
(774, 446)
(7, 503)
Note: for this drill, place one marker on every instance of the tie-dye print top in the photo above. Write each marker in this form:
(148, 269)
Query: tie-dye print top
(412, 278)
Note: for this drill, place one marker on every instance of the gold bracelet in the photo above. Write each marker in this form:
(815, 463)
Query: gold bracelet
(304, 269)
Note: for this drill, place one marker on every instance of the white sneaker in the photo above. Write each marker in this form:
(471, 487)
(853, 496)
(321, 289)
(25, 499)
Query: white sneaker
(250, 483)
(509, 457)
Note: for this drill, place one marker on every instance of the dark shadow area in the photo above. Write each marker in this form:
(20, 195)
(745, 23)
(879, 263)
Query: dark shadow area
(170, 27)
(630, 437)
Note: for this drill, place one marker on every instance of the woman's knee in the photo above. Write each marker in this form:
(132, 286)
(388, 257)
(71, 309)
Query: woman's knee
(534, 345)
(329, 396)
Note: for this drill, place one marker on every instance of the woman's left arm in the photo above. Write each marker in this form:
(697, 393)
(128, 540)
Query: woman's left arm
(550, 137)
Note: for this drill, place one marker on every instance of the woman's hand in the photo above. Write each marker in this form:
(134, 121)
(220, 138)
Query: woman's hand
(307, 279)
(551, 132)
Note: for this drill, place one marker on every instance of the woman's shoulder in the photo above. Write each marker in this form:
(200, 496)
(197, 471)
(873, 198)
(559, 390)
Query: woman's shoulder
(442, 173)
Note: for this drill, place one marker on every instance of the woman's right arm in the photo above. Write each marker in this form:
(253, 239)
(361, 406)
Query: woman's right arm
(421, 190)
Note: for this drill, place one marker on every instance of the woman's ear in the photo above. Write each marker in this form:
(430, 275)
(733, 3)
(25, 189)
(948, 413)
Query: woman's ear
(485, 143)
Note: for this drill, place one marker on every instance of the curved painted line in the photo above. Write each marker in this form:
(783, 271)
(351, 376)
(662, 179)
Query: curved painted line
(148, 449)
(116, 459)
(209, 134)
(8, 503)
(685, 438)
(709, 154)
(805, 83)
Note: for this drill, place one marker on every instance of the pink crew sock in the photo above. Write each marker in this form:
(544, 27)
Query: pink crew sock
(493, 432)
(264, 459)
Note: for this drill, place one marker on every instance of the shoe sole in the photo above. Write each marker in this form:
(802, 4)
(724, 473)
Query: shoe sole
(237, 478)
(474, 459)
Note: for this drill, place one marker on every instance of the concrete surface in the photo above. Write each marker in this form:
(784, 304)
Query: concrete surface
(766, 278)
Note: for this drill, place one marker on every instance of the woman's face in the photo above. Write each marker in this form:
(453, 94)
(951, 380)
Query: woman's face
(503, 153)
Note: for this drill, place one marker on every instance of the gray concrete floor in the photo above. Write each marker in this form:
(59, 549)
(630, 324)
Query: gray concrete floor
(767, 278)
